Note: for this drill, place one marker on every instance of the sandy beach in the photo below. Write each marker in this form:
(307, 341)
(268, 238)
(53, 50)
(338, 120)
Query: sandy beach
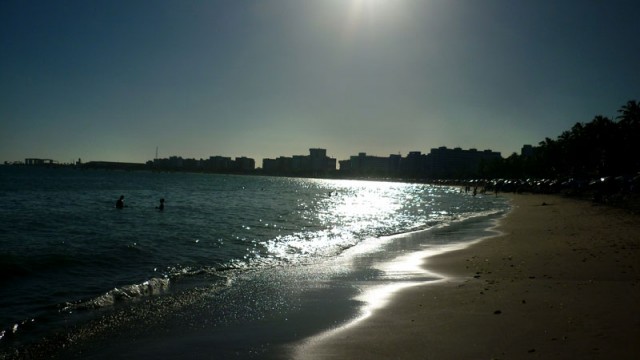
(562, 281)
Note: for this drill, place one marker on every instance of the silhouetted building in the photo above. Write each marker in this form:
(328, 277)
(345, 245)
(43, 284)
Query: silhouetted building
(245, 164)
(458, 163)
(364, 165)
(219, 163)
(192, 164)
(438, 164)
(175, 161)
(301, 164)
(394, 163)
(280, 165)
(319, 160)
(34, 161)
(317, 163)
(414, 165)
(113, 165)
(528, 150)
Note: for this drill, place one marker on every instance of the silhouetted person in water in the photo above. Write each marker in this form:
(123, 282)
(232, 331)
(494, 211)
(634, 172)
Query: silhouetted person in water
(120, 202)
(161, 207)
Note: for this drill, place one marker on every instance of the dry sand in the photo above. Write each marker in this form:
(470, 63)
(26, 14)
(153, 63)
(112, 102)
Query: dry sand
(561, 282)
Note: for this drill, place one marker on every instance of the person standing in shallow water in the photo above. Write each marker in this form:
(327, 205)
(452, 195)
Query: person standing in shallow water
(120, 202)
(161, 206)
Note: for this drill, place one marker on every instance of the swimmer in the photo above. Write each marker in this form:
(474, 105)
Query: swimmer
(120, 202)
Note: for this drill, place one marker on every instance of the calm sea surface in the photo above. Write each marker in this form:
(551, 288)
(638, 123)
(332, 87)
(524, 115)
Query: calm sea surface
(226, 252)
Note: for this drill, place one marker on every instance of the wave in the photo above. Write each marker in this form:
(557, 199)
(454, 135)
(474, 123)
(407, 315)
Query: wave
(154, 286)
(478, 214)
(178, 280)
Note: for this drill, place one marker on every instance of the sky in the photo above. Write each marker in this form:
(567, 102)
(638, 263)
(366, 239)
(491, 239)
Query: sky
(116, 80)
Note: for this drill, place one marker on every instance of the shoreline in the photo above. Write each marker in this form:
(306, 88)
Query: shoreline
(561, 280)
(256, 312)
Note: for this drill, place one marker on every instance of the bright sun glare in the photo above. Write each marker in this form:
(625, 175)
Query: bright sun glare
(372, 13)
(359, 7)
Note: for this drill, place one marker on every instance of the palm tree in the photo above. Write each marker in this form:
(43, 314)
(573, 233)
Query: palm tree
(549, 161)
(630, 113)
(602, 141)
(629, 123)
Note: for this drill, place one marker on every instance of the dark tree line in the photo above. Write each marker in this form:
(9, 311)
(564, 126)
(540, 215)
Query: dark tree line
(599, 148)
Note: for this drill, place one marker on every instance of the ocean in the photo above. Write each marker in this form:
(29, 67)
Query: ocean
(232, 267)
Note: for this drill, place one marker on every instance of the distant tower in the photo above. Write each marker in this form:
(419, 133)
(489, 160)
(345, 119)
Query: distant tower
(156, 153)
(527, 151)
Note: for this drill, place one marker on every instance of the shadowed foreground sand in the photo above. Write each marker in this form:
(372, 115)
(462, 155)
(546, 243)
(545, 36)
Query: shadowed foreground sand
(563, 282)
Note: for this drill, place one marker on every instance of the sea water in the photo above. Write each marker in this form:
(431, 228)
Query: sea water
(228, 261)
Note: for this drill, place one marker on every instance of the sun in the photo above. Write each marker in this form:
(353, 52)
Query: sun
(363, 12)
(366, 6)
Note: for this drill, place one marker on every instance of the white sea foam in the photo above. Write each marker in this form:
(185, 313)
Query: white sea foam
(155, 286)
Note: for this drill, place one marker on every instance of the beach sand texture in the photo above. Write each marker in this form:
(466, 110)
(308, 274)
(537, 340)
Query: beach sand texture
(561, 282)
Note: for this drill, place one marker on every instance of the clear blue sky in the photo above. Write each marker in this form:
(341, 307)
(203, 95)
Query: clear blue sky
(111, 80)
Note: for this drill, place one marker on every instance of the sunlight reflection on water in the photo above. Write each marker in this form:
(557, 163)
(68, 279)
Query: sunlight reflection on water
(346, 212)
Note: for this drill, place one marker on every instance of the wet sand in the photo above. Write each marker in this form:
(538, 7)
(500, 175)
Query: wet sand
(561, 282)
